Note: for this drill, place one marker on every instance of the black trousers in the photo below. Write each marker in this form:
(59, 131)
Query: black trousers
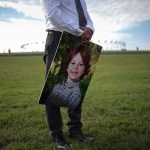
(53, 113)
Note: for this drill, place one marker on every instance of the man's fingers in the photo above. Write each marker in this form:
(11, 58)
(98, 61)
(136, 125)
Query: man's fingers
(87, 33)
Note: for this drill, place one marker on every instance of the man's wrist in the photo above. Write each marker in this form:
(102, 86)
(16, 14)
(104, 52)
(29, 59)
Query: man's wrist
(91, 31)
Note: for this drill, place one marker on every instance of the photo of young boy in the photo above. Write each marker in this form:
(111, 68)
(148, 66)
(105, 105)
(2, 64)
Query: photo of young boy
(71, 72)
(67, 93)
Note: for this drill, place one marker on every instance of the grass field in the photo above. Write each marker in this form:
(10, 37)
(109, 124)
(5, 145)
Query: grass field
(116, 109)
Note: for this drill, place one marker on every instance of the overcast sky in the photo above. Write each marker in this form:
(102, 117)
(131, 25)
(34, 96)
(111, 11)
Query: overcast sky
(121, 21)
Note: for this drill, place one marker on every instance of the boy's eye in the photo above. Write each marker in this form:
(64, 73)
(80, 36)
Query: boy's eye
(81, 64)
(72, 63)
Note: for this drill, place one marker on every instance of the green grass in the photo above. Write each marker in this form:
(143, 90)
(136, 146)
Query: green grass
(116, 109)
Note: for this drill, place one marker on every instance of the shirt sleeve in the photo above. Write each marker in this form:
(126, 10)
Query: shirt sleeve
(88, 18)
(74, 100)
(57, 17)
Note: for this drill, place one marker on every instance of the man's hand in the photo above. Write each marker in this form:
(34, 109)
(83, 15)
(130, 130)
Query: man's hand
(87, 34)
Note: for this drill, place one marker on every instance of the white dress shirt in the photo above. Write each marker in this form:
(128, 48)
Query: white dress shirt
(62, 15)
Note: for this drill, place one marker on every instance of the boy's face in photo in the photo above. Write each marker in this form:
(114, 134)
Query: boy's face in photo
(75, 68)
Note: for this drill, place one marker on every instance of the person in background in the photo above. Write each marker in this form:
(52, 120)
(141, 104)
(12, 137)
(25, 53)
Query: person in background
(9, 52)
(70, 16)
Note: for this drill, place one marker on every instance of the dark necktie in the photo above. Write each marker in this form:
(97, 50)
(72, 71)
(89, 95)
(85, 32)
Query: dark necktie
(82, 19)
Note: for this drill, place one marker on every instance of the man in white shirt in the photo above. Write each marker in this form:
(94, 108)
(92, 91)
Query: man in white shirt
(62, 15)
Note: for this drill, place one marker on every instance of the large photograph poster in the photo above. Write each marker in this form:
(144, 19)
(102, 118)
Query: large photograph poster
(70, 73)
